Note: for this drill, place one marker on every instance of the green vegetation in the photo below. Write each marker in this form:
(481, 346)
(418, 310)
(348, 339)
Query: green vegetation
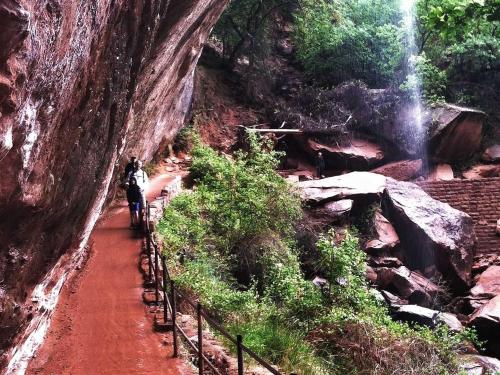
(235, 231)
(460, 41)
(343, 40)
(335, 41)
(243, 27)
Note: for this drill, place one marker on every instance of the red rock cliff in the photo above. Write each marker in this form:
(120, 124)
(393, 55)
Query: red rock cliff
(83, 84)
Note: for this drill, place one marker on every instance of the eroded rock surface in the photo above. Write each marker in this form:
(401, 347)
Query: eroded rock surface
(455, 132)
(82, 86)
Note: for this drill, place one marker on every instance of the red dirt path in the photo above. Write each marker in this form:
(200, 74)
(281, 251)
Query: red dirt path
(100, 325)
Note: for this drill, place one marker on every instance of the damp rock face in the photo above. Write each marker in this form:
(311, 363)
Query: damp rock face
(433, 233)
(83, 85)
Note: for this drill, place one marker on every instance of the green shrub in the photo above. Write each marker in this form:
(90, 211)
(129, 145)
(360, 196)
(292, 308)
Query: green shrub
(243, 197)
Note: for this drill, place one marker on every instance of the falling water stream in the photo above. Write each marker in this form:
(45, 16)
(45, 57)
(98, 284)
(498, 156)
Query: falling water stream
(414, 120)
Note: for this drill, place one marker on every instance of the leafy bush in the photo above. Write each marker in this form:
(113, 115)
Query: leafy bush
(243, 197)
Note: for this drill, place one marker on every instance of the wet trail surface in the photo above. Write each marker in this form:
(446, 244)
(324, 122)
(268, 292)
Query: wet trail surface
(100, 325)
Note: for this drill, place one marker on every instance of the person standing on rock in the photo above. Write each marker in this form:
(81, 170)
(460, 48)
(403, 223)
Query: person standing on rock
(134, 199)
(320, 165)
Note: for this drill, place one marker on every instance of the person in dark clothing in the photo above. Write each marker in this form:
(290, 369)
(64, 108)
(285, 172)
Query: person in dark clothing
(320, 165)
(129, 168)
(283, 147)
(134, 198)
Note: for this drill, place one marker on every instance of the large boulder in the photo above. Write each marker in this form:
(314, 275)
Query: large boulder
(488, 284)
(403, 170)
(350, 185)
(455, 133)
(386, 237)
(492, 154)
(479, 365)
(424, 316)
(433, 234)
(358, 154)
(408, 285)
(486, 320)
(338, 210)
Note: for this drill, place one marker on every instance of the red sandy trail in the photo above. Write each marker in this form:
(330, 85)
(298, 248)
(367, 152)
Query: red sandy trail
(101, 325)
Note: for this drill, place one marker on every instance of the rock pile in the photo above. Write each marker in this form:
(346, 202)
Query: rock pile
(418, 247)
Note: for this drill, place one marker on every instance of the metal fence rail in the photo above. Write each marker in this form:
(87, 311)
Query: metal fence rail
(159, 277)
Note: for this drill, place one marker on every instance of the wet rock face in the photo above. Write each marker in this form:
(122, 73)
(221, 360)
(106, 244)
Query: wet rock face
(433, 233)
(455, 133)
(82, 86)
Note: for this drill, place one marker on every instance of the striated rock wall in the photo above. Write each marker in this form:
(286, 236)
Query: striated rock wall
(83, 84)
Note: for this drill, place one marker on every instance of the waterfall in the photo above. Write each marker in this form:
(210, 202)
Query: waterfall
(414, 115)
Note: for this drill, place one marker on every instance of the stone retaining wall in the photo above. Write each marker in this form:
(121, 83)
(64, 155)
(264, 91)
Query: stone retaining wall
(478, 198)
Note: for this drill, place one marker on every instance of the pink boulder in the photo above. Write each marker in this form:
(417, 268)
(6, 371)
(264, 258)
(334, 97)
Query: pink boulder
(359, 153)
(403, 170)
(441, 172)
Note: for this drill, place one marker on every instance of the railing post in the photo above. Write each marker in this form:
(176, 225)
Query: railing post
(200, 340)
(157, 289)
(174, 313)
(239, 342)
(165, 297)
(148, 245)
(150, 258)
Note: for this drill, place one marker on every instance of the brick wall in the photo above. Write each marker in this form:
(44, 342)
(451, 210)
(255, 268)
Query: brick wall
(480, 199)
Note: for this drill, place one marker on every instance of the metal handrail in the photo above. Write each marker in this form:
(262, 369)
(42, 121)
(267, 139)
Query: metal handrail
(170, 307)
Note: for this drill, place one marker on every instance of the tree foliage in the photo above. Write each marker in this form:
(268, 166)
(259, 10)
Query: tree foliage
(243, 26)
(342, 40)
(460, 40)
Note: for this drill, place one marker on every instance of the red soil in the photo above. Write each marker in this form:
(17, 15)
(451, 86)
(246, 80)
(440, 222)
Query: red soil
(101, 325)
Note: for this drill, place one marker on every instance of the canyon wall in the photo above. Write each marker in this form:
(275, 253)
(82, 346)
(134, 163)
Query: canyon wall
(83, 85)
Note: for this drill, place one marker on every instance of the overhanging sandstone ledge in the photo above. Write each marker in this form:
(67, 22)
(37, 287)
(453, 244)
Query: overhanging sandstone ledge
(82, 86)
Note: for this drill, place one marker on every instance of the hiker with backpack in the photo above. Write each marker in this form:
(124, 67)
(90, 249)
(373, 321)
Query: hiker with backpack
(142, 181)
(134, 198)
